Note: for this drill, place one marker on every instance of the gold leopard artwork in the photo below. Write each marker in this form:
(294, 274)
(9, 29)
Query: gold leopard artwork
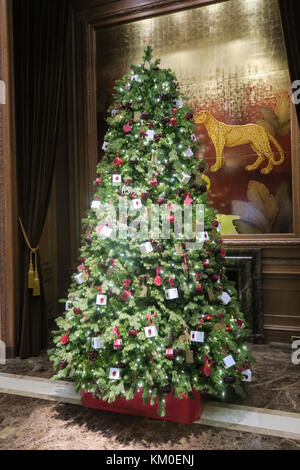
(226, 135)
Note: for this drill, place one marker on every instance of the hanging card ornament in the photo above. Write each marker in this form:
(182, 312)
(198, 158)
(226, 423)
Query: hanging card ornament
(114, 374)
(136, 116)
(101, 299)
(96, 205)
(247, 375)
(169, 353)
(80, 279)
(150, 134)
(228, 361)
(179, 248)
(105, 146)
(219, 326)
(146, 248)
(151, 331)
(171, 293)
(104, 231)
(135, 204)
(185, 178)
(116, 180)
(178, 103)
(154, 158)
(69, 305)
(206, 236)
(197, 336)
(198, 179)
(189, 357)
(189, 152)
(225, 298)
(97, 343)
(210, 294)
(117, 344)
(143, 292)
(173, 122)
(135, 78)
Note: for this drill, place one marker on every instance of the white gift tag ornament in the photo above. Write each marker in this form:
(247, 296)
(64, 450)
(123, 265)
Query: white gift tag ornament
(185, 178)
(172, 294)
(135, 204)
(178, 103)
(96, 205)
(105, 232)
(247, 375)
(150, 135)
(101, 299)
(69, 305)
(97, 343)
(114, 374)
(151, 331)
(146, 248)
(228, 361)
(105, 146)
(225, 298)
(80, 278)
(197, 336)
(188, 152)
(116, 180)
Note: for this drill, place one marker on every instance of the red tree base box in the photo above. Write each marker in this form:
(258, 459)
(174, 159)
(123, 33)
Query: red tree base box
(183, 410)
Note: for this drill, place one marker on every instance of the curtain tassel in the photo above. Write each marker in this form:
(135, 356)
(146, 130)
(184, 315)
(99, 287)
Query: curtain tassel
(36, 282)
(33, 275)
(30, 273)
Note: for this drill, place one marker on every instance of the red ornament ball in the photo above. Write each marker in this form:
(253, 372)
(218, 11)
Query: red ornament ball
(154, 182)
(118, 162)
(206, 263)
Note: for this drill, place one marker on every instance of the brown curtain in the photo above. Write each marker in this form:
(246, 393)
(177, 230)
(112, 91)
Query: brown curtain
(290, 17)
(40, 31)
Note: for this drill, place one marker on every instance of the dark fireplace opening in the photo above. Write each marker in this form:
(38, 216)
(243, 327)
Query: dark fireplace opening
(244, 270)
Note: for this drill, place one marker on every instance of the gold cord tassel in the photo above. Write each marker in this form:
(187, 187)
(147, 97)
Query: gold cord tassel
(36, 282)
(30, 273)
(33, 275)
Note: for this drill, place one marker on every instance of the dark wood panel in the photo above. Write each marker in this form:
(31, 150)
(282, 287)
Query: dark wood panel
(8, 191)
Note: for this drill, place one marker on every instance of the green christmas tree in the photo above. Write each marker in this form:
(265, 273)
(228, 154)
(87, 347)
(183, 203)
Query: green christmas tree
(144, 311)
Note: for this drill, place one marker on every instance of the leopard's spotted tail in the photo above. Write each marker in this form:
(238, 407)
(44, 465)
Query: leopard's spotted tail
(282, 156)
